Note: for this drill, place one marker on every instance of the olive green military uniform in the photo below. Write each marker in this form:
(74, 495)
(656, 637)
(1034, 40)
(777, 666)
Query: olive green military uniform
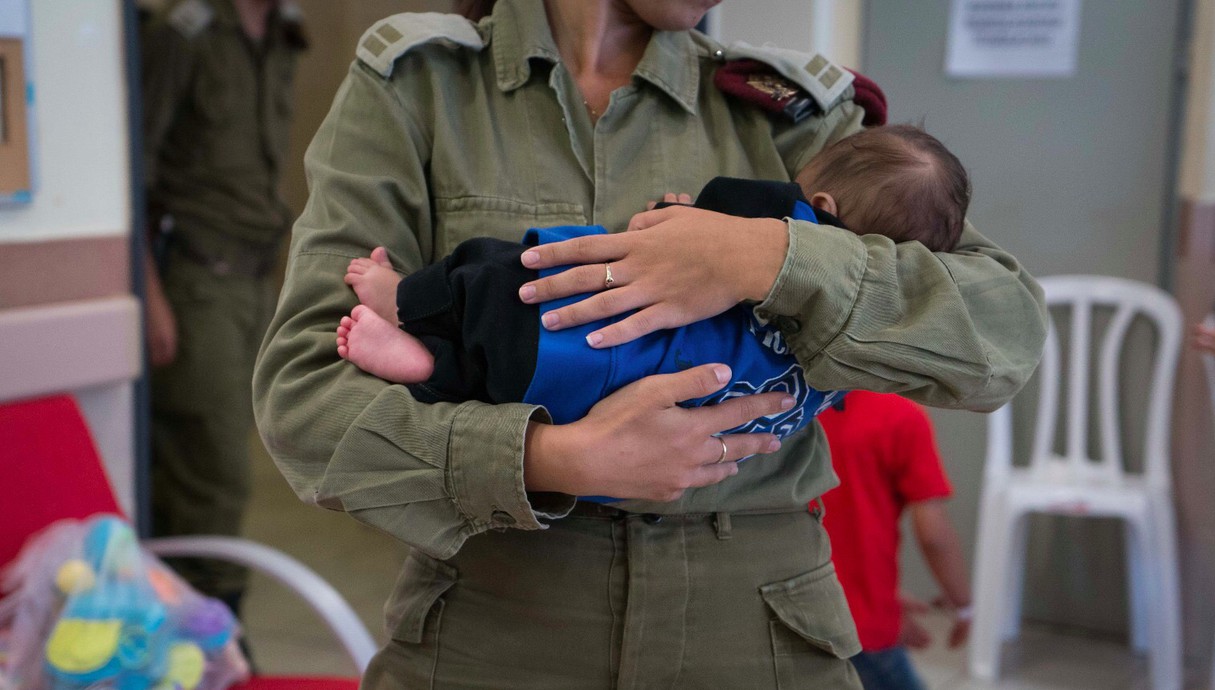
(216, 113)
(445, 131)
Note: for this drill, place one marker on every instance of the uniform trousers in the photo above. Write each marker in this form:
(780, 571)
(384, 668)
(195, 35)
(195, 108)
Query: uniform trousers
(608, 599)
(202, 412)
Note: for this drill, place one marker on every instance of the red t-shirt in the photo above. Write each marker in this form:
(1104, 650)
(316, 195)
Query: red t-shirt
(883, 450)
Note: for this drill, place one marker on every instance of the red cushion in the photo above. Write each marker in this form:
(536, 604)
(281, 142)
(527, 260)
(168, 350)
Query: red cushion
(50, 467)
(279, 683)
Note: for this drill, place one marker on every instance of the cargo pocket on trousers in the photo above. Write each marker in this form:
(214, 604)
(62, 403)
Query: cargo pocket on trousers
(414, 612)
(812, 618)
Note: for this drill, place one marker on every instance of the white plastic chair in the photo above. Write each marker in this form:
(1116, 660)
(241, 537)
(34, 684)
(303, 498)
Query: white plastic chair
(299, 578)
(1072, 483)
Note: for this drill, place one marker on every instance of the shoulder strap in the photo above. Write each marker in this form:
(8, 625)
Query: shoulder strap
(385, 42)
(823, 81)
(191, 17)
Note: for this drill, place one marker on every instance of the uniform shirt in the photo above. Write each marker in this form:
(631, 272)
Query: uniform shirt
(217, 110)
(883, 450)
(453, 141)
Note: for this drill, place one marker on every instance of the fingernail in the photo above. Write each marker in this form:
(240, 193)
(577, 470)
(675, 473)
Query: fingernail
(550, 319)
(527, 292)
(774, 445)
(787, 402)
(594, 339)
(530, 258)
(722, 374)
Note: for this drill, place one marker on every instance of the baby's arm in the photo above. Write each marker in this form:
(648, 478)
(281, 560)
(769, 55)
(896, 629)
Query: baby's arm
(1204, 336)
(369, 337)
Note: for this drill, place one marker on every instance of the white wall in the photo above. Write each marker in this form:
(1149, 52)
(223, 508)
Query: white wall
(81, 187)
(830, 27)
(81, 191)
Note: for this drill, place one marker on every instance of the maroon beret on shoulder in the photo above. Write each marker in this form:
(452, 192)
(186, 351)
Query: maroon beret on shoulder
(759, 84)
(870, 97)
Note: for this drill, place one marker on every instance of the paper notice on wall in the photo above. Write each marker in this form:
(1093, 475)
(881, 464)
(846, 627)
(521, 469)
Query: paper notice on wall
(1013, 38)
(14, 19)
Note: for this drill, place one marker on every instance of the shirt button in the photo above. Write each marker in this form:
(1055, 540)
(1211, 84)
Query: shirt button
(652, 518)
(719, 55)
(503, 517)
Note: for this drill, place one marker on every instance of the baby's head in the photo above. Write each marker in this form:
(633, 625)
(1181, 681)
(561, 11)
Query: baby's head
(897, 181)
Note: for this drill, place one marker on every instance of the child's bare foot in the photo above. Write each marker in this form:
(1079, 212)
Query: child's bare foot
(381, 348)
(375, 283)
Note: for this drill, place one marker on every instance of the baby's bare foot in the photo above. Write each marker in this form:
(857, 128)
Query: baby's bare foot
(380, 348)
(375, 283)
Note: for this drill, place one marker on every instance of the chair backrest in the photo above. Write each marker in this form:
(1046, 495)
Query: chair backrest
(1081, 295)
(50, 467)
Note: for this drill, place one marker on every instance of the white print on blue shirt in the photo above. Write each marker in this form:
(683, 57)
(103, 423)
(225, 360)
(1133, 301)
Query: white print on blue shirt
(790, 379)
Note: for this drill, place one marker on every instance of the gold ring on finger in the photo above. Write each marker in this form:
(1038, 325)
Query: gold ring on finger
(724, 450)
(608, 280)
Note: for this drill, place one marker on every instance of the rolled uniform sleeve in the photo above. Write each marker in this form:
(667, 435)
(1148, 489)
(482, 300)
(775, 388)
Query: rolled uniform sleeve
(961, 329)
(431, 475)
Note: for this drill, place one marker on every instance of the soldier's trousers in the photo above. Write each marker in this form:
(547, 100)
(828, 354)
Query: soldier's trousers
(605, 599)
(202, 413)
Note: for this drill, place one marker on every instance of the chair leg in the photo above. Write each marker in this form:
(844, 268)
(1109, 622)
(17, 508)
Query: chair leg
(1164, 663)
(993, 558)
(1212, 683)
(1139, 588)
(1016, 574)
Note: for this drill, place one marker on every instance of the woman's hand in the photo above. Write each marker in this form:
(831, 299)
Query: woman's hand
(638, 443)
(676, 265)
(160, 328)
(1204, 337)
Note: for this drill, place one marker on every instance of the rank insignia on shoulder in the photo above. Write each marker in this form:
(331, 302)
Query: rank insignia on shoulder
(759, 84)
(819, 79)
(385, 42)
(191, 17)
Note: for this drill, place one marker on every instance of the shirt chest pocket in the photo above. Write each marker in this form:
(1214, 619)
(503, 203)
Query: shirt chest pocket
(214, 97)
(461, 218)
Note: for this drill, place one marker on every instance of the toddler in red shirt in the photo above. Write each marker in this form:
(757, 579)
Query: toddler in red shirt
(883, 450)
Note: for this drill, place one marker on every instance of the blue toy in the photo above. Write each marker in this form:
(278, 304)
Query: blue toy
(129, 624)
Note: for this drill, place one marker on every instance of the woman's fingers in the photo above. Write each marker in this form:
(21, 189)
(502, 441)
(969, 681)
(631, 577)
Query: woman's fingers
(648, 219)
(629, 328)
(593, 309)
(738, 411)
(575, 281)
(668, 390)
(589, 249)
(741, 446)
(708, 475)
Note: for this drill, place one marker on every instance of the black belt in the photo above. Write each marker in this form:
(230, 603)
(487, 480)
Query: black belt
(601, 510)
(253, 265)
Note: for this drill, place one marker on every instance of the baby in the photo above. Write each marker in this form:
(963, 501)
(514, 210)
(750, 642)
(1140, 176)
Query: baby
(464, 334)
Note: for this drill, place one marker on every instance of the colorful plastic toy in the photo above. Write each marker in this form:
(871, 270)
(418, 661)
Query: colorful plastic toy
(114, 617)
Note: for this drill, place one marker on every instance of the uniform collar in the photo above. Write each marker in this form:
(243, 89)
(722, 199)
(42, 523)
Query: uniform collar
(521, 33)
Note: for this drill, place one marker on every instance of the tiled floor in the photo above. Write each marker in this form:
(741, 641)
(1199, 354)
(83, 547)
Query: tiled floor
(362, 564)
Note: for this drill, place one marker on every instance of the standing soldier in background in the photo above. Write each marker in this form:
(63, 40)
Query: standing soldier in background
(217, 78)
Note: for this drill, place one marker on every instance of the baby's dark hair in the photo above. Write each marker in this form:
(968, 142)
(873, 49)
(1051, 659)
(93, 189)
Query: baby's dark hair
(898, 181)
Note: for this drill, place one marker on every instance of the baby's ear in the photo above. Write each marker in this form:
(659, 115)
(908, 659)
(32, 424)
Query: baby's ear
(824, 202)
